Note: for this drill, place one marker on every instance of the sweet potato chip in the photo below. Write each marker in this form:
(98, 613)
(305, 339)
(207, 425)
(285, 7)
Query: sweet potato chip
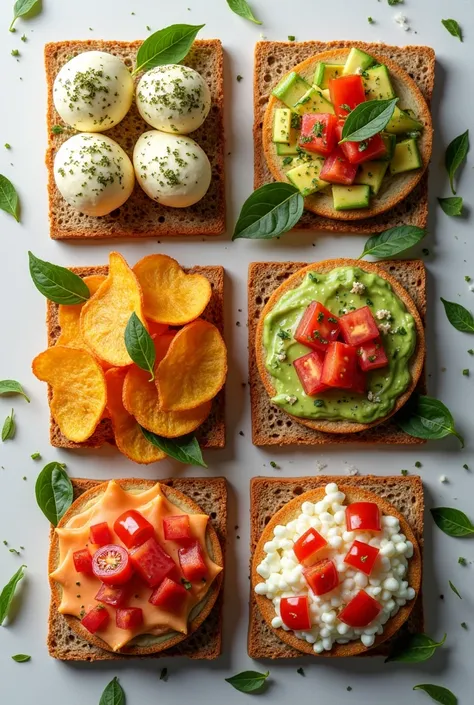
(70, 316)
(105, 316)
(128, 437)
(171, 296)
(194, 368)
(79, 392)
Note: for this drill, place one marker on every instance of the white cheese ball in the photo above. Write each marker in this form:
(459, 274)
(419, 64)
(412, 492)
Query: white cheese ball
(93, 173)
(93, 91)
(173, 98)
(172, 170)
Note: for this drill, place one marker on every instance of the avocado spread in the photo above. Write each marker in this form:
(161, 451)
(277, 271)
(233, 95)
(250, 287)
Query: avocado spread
(335, 291)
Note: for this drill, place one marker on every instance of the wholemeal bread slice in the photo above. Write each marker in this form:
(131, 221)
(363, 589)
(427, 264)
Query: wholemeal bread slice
(211, 434)
(271, 425)
(274, 59)
(141, 217)
(269, 495)
(210, 494)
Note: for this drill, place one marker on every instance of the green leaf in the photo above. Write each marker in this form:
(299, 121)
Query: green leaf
(167, 46)
(393, 241)
(454, 589)
(451, 206)
(438, 693)
(21, 658)
(164, 674)
(453, 28)
(459, 317)
(140, 345)
(248, 681)
(395, 2)
(456, 153)
(185, 449)
(9, 201)
(113, 694)
(57, 283)
(54, 492)
(241, 8)
(11, 386)
(414, 648)
(9, 428)
(427, 418)
(8, 591)
(23, 7)
(367, 119)
(270, 211)
(452, 522)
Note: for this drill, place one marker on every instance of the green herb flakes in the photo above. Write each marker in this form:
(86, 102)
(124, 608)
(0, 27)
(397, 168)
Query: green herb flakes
(291, 38)
(36, 456)
(418, 464)
(300, 671)
(404, 472)
(9, 428)
(465, 372)
(462, 560)
(15, 52)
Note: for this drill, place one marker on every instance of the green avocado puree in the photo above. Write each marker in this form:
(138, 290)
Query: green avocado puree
(333, 290)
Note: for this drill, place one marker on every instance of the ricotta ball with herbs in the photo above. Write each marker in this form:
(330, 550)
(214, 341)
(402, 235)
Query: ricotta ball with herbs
(172, 169)
(93, 173)
(173, 98)
(93, 91)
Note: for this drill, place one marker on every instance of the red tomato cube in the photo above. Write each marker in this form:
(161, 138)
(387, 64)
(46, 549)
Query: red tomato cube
(191, 560)
(82, 561)
(346, 93)
(363, 516)
(169, 595)
(294, 612)
(359, 383)
(359, 326)
(362, 557)
(318, 133)
(372, 355)
(151, 562)
(360, 611)
(129, 618)
(96, 619)
(337, 169)
(339, 366)
(133, 529)
(309, 369)
(177, 528)
(100, 534)
(308, 545)
(317, 328)
(365, 151)
(322, 577)
(113, 596)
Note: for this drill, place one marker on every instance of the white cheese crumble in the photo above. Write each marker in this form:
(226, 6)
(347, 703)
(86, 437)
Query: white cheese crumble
(357, 288)
(291, 399)
(385, 327)
(281, 356)
(443, 479)
(352, 470)
(402, 21)
(383, 314)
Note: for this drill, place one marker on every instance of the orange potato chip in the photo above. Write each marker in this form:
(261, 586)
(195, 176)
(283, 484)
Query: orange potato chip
(105, 316)
(128, 437)
(70, 316)
(79, 391)
(194, 368)
(170, 296)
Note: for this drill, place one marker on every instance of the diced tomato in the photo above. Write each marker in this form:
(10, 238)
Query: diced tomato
(360, 611)
(339, 366)
(96, 619)
(113, 596)
(133, 529)
(322, 577)
(359, 381)
(152, 562)
(318, 133)
(363, 516)
(372, 355)
(82, 561)
(192, 562)
(112, 565)
(362, 557)
(346, 93)
(365, 151)
(169, 595)
(359, 326)
(177, 528)
(317, 328)
(337, 169)
(129, 618)
(309, 369)
(308, 545)
(294, 612)
(100, 534)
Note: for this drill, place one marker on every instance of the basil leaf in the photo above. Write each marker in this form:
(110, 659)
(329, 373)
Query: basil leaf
(451, 206)
(139, 345)
(459, 317)
(456, 153)
(452, 522)
(427, 418)
(438, 693)
(9, 201)
(185, 449)
(164, 674)
(367, 119)
(113, 694)
(8, 591)
(241, 8)
(393, 241)
(57, 283)
(414, 648)
(167, 46)
(453, 28)
(11, 386)
(54, 492)
(23, 7)
(21, 658)
(395, 2)
(9, 428)
(454, 589)
(248, 681)
(270, 211)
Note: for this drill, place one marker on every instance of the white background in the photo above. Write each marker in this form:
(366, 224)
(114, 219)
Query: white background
(22, 309)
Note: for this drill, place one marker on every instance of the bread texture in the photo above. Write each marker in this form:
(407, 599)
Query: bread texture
(65, 641)
(273, 426)
(141, 217)
(211, 434)
(270, 495)
(274, 59)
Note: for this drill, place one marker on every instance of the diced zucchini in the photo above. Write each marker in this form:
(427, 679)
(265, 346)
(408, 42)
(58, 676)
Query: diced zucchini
(313, 101)
(290, 89)
(284, 150)
(357, 61)
(371, 174)
(325, 93)
(306, 176)
(406, 157)
(348, 197)
(324, 72)
(281, 125)
(390, 141)
(401, 122)
(377, 83)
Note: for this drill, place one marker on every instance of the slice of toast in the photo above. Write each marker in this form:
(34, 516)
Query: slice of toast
(140, 216)
(268, 495)
(206, 642)
(274, 59)
(270, 424)
(211, 434)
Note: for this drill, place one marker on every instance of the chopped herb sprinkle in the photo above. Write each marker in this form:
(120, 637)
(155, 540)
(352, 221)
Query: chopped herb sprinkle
(404, 472)
(300, 671)
(465, 373)
(273, 464)
(464, 625)
(291, 37)
(239, 78)
(15, 52)
(7, 146)
(462, 561)
(418, 464)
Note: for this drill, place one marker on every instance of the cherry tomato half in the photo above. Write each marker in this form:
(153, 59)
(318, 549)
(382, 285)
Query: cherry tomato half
(339, 366)
(360, 611)
(112, 565)
(169, 595)
(82, 561)
(152, 562)
(100, 534)
(322, 577)
(359, 326)
(177, 528)
(113, 596)
(363, 516)
(294, 612)
(309, 369)
(308, 545)
(96, 619)
(129, 618)
(192, 562)
(133, 529)
(317, 327)
(362, 557)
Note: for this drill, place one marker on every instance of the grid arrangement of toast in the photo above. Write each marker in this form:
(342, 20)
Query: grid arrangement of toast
(136, 354)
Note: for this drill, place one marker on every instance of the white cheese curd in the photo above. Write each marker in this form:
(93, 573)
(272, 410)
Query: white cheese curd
(386, 582)
(93, 173)
(93, 91)
(172, 170)
(173, 98)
